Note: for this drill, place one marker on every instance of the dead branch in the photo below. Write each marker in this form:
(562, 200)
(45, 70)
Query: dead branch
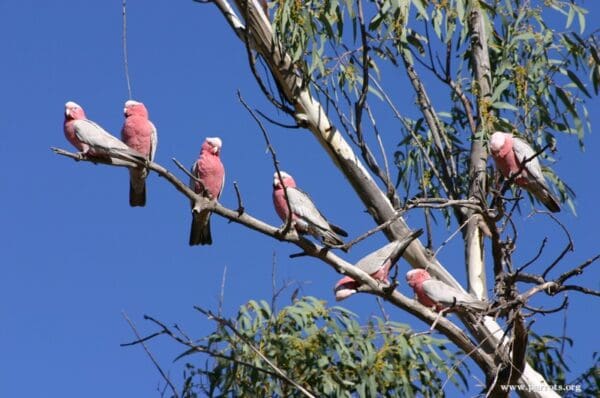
(368, 284)
(154, 361)
(534, 259)
(187, 342)
(240, 208)
(288, 221)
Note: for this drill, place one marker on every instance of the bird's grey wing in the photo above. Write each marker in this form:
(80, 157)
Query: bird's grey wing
(153, 142)
(524, 151)
(375, 260)
(304, 208)
(447, 295)
(96, 137)
(194, 172)
(440, 292)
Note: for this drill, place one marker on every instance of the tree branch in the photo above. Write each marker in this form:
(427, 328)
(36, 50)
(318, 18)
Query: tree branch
(142, 342)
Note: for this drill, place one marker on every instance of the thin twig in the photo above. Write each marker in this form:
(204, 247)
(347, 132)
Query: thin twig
(142, 342)
(534, 259)
(240, 208)
(347, 246)
(273, 280)
(202, 349)
(288, 222)
(568, 248)
(453, 234)
(222, 292)
(577, 270)
(276, 123)
(542, 311)
(187, 172)
(125, 58)
(391, 190)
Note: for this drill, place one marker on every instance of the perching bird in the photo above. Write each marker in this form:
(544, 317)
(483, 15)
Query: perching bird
(92, 140)
(436, 294)
(139, 134)
(306, 218)
(210, 171)
(377, 264)
(508, 153)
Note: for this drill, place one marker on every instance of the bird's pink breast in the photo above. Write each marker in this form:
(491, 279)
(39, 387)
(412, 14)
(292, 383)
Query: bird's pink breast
(509, 164)
(211, 172)
(423, 297)
(280, 203)
(137, 134)
(69, 130)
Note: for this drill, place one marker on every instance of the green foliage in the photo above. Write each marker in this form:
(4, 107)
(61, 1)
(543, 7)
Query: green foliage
(544, 353)
(327, 351)
(543, 71)
(588, 382)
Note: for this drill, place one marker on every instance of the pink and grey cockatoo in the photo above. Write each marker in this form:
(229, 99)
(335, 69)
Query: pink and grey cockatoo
(138, 133)
(306, 218)
(92, 140)
(508, 153)
(377, 264)
(436, 294)
(208, 169)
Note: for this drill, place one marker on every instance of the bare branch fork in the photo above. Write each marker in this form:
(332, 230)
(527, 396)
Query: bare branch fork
(142, 341)
(368, 284)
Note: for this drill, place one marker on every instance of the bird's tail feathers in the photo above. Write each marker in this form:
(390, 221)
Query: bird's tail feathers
(330, 238)
(137, 197)
(338, 230)
(137, 187)
(200, 229)
(544, 195)
(478, 305)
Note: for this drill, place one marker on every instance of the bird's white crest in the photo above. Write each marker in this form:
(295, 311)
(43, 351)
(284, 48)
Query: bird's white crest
(215, 141)
(72, 104)
(131, 103)
(284, 175)
(414, 272)
(497, 141)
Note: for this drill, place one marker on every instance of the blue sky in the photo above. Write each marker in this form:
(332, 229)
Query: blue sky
(74, 255)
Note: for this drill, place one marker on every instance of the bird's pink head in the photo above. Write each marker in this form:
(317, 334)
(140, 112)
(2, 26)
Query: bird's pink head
(212, 145)
(135, 108)
(415, 277)
(500, 143)
(345, 288)
(288, 181)
(73, 111)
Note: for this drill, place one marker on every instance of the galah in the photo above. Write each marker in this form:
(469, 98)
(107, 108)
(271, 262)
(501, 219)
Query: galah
(306, 218)
(508, 153)
(436, 294)
(377, 264)
(138, 133)
(209, 170)
(92, 140)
